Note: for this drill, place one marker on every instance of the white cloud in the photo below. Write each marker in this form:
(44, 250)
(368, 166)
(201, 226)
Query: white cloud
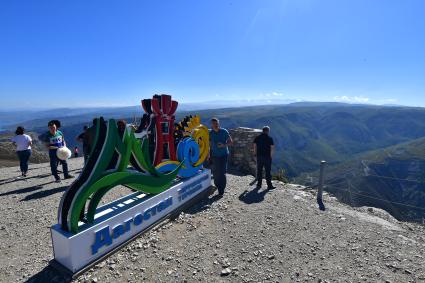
(273, 94)
(352, 99)
(365, 100)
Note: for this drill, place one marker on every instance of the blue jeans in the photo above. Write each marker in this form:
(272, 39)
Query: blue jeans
(24, 156)
(219, 169)
(54, 162)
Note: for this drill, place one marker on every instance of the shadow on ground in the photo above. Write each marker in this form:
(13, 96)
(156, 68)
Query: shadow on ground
(26, 190)
(49, 274)
(38, 194)
(18, 178)
(253, 196)
(321, 205)
(43, 194)
(204, 204)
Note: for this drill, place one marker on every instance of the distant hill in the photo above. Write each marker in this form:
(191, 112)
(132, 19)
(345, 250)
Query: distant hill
(304, 132)
(37, 118)
(392, 179)
(387, 140)
(8, 155)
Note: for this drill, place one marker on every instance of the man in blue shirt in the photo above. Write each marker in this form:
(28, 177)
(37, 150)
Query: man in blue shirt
(220, 141)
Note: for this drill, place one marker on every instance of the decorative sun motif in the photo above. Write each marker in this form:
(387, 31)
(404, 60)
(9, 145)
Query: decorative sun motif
(201, 135)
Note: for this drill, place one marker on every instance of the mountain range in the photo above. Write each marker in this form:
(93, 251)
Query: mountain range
(37, 117)
(389, 140)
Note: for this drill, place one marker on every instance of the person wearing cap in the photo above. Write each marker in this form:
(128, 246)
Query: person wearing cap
(263, 147)
(220, 141)
(54, 140)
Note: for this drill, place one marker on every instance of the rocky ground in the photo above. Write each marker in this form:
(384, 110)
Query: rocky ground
(8, 157)
(247, 236)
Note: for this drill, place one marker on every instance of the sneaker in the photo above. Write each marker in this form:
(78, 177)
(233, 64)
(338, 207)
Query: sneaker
(57, 180)
(69, 177)
(271, 187)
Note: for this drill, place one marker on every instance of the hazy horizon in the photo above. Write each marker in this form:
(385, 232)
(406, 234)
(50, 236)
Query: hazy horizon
(213, 104)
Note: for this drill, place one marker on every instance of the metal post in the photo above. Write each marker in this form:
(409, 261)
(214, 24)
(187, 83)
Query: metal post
(321, 178)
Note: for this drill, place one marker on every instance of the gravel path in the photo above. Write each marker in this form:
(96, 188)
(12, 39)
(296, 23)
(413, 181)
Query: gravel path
(247, 236)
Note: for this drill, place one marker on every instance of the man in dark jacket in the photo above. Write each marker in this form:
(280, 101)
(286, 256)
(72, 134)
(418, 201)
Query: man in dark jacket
(87, 137)
(86, 147)
(263, 148)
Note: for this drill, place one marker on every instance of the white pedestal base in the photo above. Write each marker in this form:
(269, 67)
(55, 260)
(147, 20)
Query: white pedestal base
(118, 222)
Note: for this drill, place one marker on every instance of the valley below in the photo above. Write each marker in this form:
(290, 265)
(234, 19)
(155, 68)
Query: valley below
(375, 154)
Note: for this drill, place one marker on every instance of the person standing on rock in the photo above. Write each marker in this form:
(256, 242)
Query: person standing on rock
(220, 141)
(54, 140)
(263, 147)
(23, 144)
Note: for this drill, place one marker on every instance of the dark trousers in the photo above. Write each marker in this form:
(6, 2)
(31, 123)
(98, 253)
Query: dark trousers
(86, 157)
(86, 153)
(266, 162)
(219, 169)
(54, 162)
(24, 156)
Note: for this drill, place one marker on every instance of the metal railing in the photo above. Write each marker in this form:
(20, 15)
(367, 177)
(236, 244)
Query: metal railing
(338, 185)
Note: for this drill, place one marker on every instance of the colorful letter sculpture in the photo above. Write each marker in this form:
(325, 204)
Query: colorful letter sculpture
(158, 159)
(162, 108)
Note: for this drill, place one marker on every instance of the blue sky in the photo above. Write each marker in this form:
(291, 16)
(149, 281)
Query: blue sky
(113, 53)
